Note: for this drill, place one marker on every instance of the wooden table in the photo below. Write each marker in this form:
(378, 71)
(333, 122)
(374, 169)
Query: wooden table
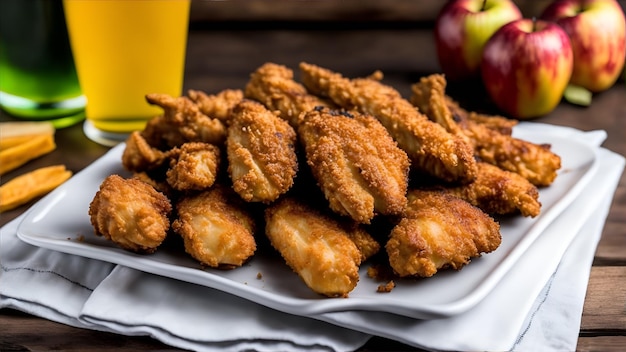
(222, 56)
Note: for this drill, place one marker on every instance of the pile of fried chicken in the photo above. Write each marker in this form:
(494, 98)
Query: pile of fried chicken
(316, 166)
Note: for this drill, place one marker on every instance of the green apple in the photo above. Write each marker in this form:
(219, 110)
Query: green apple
(526, 66)
(463, 27)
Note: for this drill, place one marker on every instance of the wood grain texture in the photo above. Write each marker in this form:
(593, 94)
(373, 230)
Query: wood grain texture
(605, 304)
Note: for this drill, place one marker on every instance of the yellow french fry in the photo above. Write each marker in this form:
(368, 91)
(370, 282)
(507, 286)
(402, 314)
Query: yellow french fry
(20, 154)
(25, 128)
(30, 185)
(9, 142)
(17, 132)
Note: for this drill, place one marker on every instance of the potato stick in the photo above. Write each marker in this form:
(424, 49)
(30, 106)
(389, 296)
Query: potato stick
(9, 142)
(25, 128)
(30, 185)
(18, 132)
(18, 155)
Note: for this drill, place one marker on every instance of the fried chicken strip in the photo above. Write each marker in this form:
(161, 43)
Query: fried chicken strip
(439, 231)
(497, 123)
(356, 163)
(430, 147)
(365, 243)
(181, 122)
(274, 86)
(216, 228)
(535, 162)
(139, 156)
(130, 213)
(193, 166)
(498, 191)
(261, 152)
(217, 106)
(314, 245)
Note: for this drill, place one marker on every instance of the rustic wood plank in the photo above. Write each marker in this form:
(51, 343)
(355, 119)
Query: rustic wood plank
(611, 247)
(23, 332)
(345, 10)
(601, 343)
(605, 304)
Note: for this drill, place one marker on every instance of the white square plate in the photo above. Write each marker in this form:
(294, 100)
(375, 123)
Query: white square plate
(60, 221)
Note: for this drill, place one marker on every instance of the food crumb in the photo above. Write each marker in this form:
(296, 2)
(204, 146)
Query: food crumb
(259, 276)
(380, 273)
(386, 287)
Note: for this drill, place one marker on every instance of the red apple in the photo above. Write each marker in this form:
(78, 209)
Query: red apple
(526, 66)
(597, 30)
(462, 29)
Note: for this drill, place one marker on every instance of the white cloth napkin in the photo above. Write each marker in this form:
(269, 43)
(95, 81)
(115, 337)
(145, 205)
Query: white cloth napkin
(535, 307)
(524, 312)
(91, 294)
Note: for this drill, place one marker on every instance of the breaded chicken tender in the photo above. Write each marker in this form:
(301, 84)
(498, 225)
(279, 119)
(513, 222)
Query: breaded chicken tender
(261, 152)
(139, 156)
(439, 231)
(216, 228)
(356, 163)
(157, 180)
(498, 191)
(217, 106)
(130, 213)
(314, 245)
(194, 166)
(433, 87)
(535, 162)
(182, 121)
(430, 147)
(365, 243)
(274, 86)
(497, 123)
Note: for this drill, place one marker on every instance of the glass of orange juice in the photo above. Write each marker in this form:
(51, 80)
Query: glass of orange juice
(123, 50)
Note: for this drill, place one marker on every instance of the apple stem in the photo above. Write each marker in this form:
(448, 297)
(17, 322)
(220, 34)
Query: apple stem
(534, 19)
(482, 8)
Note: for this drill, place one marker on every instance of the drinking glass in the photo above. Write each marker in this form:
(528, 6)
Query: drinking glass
(37, 76)
(125, 49)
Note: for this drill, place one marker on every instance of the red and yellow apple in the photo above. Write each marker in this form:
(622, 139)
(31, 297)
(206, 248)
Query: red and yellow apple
(461, 30)
(526, 66)
(597, 30)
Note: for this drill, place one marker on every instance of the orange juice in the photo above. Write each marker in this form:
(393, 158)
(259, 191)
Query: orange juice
(123, 50)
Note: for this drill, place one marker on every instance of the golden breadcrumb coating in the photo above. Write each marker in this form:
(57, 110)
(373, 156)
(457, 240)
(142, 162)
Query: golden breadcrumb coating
(157, 180)
(130, 213)
(261, 151)
(435, 85)
(273, 85)
(193, 166)
(498, 191)
(364, 241)
(426, 96)
(181, 122)
(139, 156)
(535, 162)
(430, 147)
(439, 231)
(217, 106)
(356, 163)
(314, 245)
(216, 229)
